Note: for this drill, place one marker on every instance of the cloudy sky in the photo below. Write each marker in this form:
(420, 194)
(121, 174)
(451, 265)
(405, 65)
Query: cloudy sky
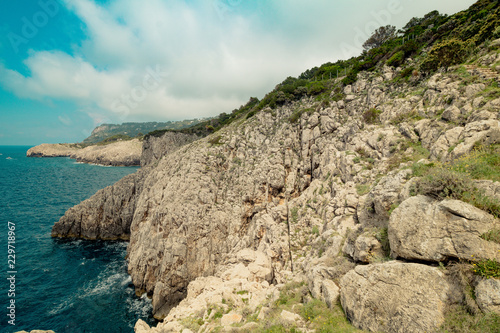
(69, 65)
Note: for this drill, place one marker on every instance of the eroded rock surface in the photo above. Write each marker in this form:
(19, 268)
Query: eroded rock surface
(395, 297)
(424, 229)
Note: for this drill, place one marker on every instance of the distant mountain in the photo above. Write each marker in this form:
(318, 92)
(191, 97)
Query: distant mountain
(132, 130)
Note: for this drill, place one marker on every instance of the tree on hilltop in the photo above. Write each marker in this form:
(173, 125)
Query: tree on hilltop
(380, 36)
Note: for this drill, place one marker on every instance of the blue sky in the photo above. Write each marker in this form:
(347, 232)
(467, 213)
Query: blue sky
(67, 66)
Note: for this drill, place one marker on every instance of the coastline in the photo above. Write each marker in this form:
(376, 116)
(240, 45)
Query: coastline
(121, 153)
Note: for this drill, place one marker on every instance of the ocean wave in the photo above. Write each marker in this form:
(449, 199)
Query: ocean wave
(106, 285)
(141, 307)
(63, 306)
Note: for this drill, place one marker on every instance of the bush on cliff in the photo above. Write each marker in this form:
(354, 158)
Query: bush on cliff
(447, 53)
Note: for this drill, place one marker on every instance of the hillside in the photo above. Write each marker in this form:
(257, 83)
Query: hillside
(365, 202)
(132, 130)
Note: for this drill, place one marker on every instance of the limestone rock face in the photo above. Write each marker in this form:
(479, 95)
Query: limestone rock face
(240, 284)
(154, 148)
(106, 215)
(373, 210)
(231, 216)
(395, 297)
(121, 153)
(485, 131)
(424, 229)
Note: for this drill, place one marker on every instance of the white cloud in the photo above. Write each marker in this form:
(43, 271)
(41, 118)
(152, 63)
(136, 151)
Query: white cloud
(217, 53)
(65, 120)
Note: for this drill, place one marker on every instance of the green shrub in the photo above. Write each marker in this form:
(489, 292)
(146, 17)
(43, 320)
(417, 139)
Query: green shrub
(396, 60)
(441, 183)
(295, 116)
(447, 53)
(487, 268)
(407, 72)
(251, 114)
(215, 141)
(316, 88)
(454, 180)
(351, 77)
(371, 116)
(383, 237)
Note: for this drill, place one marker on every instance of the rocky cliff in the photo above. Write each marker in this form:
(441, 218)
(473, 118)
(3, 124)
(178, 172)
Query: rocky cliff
(121, 153)
(373, 196)
(109, 213)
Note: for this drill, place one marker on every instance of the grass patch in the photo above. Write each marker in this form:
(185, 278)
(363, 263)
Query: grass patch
(193, 324)
(315, 230)
(419, 152)
(298, 113)
(487, 268)
(491, 92)
(492, 236)
(280, 328)
(295, 214)
(481, 163)
(454, 180)
(441, 183)
(316, 313)
(362, 189)
(401, 118)
(324, 320)
(459, 320)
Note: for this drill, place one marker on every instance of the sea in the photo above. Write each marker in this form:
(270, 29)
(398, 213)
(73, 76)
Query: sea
(63, 285)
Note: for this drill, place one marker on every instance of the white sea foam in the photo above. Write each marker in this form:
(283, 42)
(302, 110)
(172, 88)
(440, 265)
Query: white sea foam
(61, 307)
(142, 306)
(127, 281)
(106, 285)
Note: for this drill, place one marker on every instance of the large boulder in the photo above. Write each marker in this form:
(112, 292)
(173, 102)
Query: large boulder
(425, 229)
(488, 295)
(395, 297)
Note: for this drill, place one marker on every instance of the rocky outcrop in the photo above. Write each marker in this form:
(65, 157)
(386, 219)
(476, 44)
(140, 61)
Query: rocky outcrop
(373, 209)
(154, 147)
(107, 215)
(424, 229)
(121, 153)
(52, 150)
(395, 297)
(303, 193)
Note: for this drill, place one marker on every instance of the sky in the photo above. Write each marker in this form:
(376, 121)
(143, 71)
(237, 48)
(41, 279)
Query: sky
(67, 66)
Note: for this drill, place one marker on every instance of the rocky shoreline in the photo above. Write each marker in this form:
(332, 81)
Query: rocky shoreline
(121, 153)
(220, 228)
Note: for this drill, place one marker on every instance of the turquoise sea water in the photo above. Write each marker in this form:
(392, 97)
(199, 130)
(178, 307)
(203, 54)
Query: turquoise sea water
(65, 285)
